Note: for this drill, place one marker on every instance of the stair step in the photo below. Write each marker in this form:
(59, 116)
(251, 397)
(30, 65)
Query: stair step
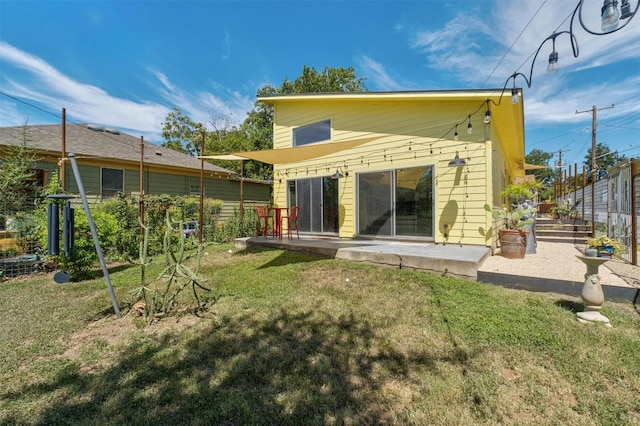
(562, 233)
(555, 239)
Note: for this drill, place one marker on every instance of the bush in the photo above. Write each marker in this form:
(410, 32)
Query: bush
(126, 210)
(84, 257)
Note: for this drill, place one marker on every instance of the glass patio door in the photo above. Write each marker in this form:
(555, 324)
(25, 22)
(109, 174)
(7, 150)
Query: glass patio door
(318, 202)
(396, 202)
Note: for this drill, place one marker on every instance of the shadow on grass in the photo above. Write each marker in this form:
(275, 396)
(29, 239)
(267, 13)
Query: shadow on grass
(569, 305)
(287, 257)
(289, 368)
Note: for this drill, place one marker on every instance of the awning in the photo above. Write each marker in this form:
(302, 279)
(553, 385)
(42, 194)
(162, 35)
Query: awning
(292, 155)
(535, 167)
(524, 166)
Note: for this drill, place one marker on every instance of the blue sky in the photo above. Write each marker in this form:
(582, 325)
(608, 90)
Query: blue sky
(125, 64)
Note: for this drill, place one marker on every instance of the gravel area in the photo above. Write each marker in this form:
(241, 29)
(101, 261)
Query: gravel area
(559, 261)
(629, 273)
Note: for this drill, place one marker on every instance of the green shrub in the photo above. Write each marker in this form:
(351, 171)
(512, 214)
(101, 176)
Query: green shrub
(83, 257)
(126, 210)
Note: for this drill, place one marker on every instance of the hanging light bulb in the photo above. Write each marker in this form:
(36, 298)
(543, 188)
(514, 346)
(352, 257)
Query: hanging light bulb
(487, 115)
(455, 134)
(469, 126)
(514, 96)
(610, 15)
(552, 68)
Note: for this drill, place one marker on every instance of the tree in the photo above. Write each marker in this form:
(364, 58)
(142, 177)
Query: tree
(545, 176)
(181, 133)
(605, 158)
(17, 175)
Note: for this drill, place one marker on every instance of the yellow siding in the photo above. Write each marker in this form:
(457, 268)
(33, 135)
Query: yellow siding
(411, 134)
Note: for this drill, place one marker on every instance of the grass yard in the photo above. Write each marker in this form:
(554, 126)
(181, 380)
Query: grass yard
(288, 338)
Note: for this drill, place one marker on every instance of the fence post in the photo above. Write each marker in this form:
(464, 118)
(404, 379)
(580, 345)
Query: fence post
(584, 183)
(634, 214)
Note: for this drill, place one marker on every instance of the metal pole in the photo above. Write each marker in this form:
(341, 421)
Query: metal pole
(141, 207)
(584, 183)
(201, 215)
(94, 233)
(241, 192)
(634, 216)
(63, 174)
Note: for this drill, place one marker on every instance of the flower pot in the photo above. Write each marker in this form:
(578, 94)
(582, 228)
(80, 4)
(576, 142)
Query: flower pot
(513, 243)
(605, 251)
(591, 252)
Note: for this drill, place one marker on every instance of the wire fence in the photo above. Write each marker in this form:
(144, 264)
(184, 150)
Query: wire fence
(611, 204)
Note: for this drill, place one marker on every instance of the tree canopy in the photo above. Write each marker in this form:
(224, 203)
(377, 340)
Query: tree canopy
(605, 158)
(17, 176)
(181, 133)
(545, 176)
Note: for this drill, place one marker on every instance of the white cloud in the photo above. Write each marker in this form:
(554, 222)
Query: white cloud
(376, 73)
(42, 84)
(491, 49)
(226, 45)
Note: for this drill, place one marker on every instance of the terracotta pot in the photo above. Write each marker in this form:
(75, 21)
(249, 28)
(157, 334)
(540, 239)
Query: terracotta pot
(513, 243)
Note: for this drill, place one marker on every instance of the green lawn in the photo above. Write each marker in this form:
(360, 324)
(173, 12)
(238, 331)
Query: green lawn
(289, 338)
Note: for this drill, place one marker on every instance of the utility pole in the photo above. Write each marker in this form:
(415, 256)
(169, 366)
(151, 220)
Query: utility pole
(559, 165)
(594, 125)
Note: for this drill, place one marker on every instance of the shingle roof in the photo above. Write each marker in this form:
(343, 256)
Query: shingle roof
(112, 144)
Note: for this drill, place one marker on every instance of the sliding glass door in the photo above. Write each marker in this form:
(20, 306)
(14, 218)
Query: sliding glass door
(396, 203)
(318, 202)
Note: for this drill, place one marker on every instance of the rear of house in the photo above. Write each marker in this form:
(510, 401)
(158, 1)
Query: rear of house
(383, 163)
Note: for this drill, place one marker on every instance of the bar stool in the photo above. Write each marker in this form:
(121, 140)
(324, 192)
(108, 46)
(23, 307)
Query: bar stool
(263, 221)
(292, 221)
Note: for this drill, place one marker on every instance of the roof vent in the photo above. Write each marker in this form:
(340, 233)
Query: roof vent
(112, 130)
(95, 127)
(158, 153)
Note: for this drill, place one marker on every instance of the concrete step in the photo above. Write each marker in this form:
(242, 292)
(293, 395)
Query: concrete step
(563, 226)
(561, 239)
(562, 233)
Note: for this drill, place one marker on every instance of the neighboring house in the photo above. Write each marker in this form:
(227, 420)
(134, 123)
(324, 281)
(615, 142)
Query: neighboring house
(377, 164)
(109, 162)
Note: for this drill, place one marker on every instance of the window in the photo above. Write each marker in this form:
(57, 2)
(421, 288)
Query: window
(311, 133)
(194, 189)
(112, 181)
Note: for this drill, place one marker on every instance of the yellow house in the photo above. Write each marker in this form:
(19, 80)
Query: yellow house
(416, 165)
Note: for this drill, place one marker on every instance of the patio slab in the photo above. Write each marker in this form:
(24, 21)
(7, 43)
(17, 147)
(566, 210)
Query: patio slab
(451, 260)
(553, 268)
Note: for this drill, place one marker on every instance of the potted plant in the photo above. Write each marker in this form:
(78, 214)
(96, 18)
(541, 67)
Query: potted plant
(513, 237)
(519, 193)
(606, 246)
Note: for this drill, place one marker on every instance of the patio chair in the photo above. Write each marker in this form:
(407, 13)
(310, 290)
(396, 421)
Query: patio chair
(292, 221)
(263, 221)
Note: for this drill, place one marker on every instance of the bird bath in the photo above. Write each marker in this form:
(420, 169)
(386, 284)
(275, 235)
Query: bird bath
(592, 295)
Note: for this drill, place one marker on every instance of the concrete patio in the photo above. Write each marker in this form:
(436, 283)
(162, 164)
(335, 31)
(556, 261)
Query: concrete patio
(553, 268)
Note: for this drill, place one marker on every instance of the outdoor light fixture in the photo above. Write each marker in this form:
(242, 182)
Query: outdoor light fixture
(487, 114)
(338, 175)
(457, 161)
(455, 134)
(469, 126)
(610, 15)
(553, 63)
(514, 95)
(610, 22)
